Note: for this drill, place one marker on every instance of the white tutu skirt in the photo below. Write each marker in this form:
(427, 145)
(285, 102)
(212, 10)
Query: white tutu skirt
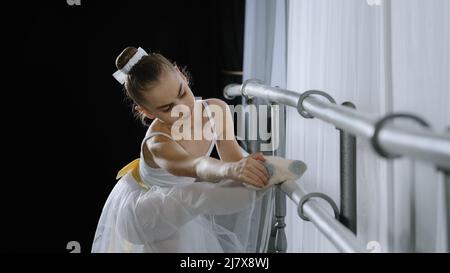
(189, 217)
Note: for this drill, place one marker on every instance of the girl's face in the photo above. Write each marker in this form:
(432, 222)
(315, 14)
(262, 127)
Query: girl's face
(172, 92)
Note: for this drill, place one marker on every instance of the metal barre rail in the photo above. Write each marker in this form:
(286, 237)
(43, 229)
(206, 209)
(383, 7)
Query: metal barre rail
(342, 238)
(400, 140)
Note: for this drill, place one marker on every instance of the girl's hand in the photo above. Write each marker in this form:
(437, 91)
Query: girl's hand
(250, 170)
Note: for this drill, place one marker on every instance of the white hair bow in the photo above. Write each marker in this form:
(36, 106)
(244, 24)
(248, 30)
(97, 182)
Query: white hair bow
(121, 74)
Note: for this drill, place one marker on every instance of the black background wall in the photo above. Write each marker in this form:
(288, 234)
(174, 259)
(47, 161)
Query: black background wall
(66, 127)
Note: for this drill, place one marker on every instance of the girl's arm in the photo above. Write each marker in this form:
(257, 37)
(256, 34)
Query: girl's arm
(172, 157)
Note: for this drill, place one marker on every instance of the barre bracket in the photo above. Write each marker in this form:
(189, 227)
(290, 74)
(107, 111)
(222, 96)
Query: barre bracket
(382, 122)
(325, 197)
(301, 110)
(244, 84)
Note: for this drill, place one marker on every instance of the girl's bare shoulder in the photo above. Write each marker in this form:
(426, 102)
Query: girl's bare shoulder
(158, 127)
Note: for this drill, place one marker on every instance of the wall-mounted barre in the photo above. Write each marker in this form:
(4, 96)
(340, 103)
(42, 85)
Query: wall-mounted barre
(341, 237)
(420, 143)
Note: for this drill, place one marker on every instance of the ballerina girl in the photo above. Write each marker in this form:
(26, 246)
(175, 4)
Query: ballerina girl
(175, 197)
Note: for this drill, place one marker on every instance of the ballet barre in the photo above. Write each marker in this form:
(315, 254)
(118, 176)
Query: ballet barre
(391, 139)
(387, 140)
(309, 209)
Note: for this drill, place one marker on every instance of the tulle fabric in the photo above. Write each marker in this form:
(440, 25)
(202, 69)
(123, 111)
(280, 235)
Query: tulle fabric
(190, 217)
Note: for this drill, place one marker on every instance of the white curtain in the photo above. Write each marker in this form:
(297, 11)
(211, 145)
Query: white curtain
(265, 41)
(384, 56)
